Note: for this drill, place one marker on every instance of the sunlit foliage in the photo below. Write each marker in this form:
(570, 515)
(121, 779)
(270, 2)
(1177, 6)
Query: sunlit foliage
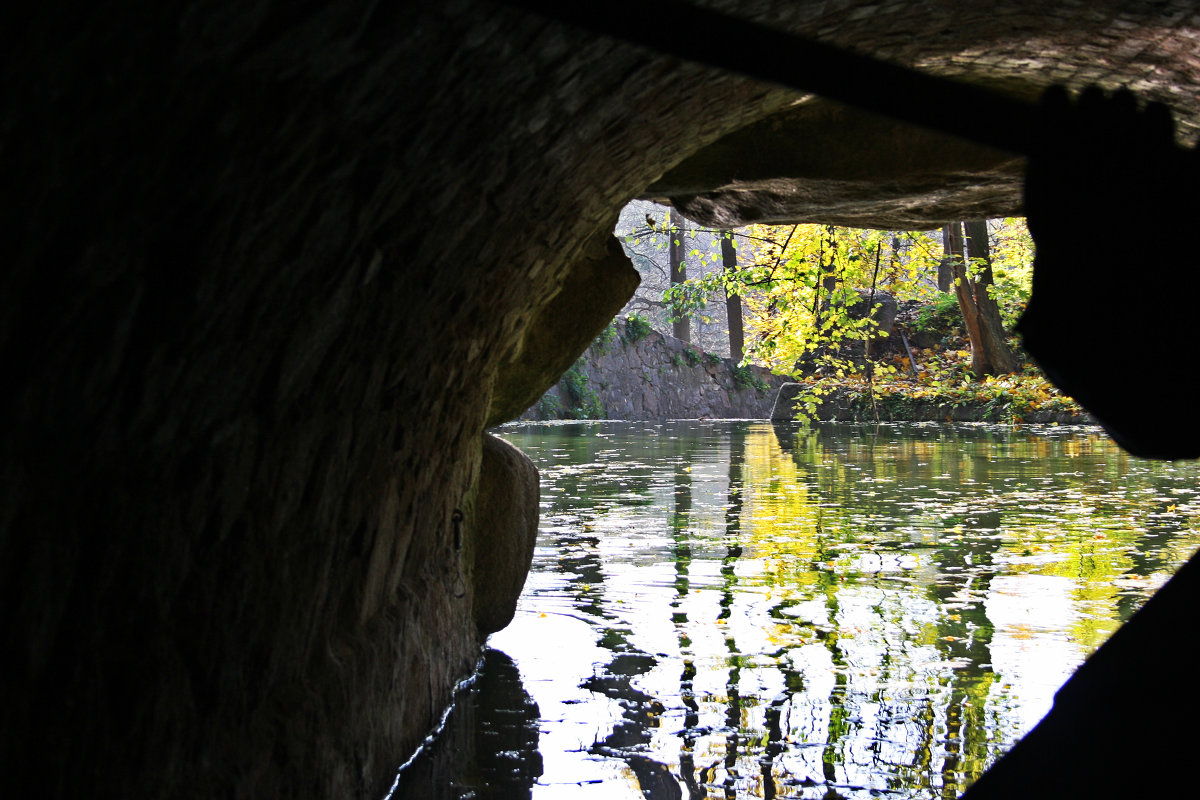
(799, 285)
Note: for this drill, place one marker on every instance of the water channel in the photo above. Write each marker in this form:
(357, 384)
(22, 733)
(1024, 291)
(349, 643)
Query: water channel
(747, 610)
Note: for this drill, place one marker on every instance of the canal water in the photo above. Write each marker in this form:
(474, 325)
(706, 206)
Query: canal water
(747, 610)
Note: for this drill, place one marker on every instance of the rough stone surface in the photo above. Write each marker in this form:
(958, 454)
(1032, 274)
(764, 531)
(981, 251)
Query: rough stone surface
(880, 306)
(875, 173)
(659, 377)
(264, 263)
(596, 289)
(868, 172)
(506, 525)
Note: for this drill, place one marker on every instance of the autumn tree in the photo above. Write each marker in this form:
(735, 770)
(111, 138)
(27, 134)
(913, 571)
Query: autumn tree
(969, 260)
(801, 282)
(805, 294)
(793, 287)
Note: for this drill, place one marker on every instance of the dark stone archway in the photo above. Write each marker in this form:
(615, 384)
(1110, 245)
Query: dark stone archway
(271, 269)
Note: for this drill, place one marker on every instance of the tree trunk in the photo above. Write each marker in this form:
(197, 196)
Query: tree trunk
(999, 357)
(956, 258)
(981, 316)
(733, 302)
(682, 327)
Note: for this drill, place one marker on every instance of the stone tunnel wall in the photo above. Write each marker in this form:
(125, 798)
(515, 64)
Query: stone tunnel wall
(265, 263)
(256, 297)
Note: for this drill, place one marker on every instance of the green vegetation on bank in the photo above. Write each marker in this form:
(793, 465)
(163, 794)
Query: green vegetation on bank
(945, 382)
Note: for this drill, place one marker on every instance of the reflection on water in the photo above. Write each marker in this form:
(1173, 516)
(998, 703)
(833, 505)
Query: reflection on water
(490, 746)
(741, 610)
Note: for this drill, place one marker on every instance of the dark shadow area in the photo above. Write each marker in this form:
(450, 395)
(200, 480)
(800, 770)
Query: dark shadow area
(489, 745)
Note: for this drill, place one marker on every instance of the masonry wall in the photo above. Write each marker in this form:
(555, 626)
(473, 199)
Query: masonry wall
(656, 377)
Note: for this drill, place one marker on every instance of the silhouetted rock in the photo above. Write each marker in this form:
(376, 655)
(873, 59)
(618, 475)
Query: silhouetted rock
(506, 523)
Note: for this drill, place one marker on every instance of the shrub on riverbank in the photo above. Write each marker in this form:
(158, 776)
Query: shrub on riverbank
(941, 383)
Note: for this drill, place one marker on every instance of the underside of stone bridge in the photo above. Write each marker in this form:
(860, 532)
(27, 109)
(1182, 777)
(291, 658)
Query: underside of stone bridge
(275, 267)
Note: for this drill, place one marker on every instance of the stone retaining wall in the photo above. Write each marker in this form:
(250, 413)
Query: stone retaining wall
(656, 377)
